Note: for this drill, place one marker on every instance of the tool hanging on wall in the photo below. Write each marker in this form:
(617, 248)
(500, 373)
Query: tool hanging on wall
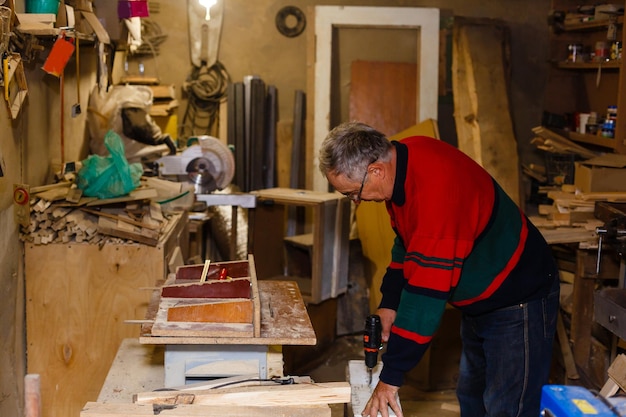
(55, 64)
(60, 54)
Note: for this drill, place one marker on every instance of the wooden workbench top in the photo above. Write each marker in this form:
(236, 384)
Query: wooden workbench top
(284, 321)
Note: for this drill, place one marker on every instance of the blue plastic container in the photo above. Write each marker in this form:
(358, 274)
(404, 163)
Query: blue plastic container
(572, 401)
(42, 6)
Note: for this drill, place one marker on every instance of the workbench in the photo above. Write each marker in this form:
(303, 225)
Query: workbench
(139, 368)
(141, 364)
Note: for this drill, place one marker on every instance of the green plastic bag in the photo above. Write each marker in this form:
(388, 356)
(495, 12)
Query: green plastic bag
(109, 176)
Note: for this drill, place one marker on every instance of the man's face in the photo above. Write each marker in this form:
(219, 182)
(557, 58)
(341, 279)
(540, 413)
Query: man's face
(357, 191)
(351, 189)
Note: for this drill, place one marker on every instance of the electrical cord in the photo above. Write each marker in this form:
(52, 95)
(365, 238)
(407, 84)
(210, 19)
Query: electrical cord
(151, 37)
(206, 88)
(281, 381)
(277, 380)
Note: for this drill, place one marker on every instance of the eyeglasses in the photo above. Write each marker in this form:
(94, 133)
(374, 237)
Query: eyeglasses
(357, 197)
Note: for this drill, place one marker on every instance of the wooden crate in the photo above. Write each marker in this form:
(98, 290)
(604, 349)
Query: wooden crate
(317, 244)
(77, 299)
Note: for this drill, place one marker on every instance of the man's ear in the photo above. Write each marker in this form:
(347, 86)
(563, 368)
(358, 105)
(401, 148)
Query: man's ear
(376, 169)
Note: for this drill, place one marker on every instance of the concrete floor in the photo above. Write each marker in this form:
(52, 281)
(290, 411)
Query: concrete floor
(414, 401)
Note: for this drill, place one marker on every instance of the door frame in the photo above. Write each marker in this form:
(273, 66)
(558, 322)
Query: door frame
(327, 18)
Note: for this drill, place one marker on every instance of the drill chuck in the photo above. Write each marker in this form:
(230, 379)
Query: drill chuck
(372, 340)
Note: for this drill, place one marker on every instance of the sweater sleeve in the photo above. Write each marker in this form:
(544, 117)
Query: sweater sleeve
(430, 280)
(393, 280)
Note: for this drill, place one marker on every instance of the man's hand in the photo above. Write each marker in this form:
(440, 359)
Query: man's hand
(387, 316)
(384, 395)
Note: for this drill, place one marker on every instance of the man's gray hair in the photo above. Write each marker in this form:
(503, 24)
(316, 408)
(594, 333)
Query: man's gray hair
(350, 147)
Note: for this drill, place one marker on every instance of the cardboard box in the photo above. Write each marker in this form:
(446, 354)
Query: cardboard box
(604, 173)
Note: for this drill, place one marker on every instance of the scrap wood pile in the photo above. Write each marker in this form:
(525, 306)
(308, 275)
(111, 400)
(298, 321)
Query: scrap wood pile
(570, 216)
(57, 217)
(554, 145)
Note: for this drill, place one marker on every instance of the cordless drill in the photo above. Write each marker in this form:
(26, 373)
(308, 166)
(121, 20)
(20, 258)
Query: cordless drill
(372, 342)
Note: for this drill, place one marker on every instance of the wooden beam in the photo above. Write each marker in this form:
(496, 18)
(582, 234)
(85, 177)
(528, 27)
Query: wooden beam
(480, 74)
(218, 311)
(232, 288)
(278, 395)
(93, 409)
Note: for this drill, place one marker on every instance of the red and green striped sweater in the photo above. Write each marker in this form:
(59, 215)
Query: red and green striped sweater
(460, 240)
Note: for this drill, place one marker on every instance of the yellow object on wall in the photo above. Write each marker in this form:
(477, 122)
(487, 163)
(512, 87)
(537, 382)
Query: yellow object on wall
(373, 224)
(168, 125)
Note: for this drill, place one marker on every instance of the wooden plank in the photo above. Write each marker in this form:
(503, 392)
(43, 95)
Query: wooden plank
(111, 227)
(256, 299)
(613, 196)
(617, 377)
(567, 235)
(560, 143)
(93, 409)
(135, 195)
(617, 371)
(296, 196)
(582, 312)
(271, 395)
(234, 288)
(124, 219)
(361, 388)
(222, 311)
(566, 350)
(482, 113)
(163, 326)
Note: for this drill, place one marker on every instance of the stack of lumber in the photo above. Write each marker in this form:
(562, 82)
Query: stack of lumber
(59, 215)
(570, 218)
(549, 141)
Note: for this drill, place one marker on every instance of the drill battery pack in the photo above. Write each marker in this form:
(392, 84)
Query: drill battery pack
(572, 401)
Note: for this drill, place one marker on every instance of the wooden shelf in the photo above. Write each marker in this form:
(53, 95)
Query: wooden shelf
(615, 64)
(591, 25)
(593, 140)
(587, 86)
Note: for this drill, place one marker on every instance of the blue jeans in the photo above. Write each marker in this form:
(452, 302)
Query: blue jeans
(506, 359)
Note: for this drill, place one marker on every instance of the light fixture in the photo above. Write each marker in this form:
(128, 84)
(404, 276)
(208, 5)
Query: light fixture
(207, 4)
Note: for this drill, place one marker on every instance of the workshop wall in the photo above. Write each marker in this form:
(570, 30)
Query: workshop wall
(37, 141)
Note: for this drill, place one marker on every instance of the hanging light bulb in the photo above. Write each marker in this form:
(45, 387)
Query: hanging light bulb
(207, 4)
